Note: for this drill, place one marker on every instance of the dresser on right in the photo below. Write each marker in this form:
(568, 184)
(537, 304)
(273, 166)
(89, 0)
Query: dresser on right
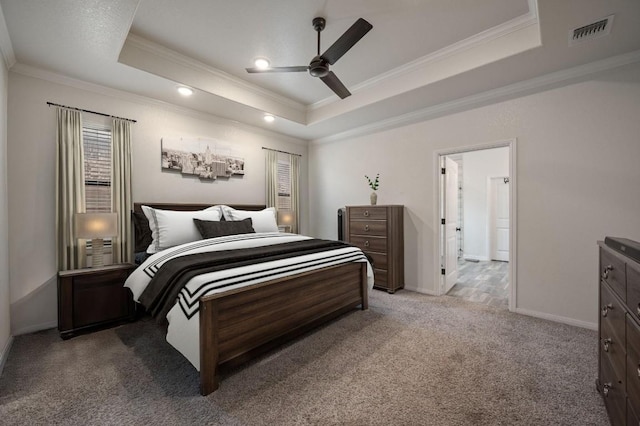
(619, 333)
(379, 232)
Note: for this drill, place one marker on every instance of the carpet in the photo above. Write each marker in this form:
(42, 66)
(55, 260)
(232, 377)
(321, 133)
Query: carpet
(411, 359)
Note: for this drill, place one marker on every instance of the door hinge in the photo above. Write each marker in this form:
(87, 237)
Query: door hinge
(443, 171)
(442, 221)
(442, 271)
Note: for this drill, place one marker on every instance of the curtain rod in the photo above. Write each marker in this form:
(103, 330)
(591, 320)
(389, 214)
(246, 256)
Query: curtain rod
(91, 112)
(284, 152)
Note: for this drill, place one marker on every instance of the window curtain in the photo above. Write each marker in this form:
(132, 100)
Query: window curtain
(121, 199)
(69, 188)
(295, 191)
(271, 170)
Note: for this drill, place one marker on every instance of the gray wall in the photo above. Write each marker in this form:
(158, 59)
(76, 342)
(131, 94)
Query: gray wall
(577, 181)
(31, 170)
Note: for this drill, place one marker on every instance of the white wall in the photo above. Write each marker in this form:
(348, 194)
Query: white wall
(577, 181)
(31, 171)
(479, 167)
(5, 335)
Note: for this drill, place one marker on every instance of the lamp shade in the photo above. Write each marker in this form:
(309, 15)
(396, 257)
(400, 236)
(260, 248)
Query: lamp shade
(285, 217)
(96, 225)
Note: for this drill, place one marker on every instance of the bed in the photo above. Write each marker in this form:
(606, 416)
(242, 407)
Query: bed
(294, 284)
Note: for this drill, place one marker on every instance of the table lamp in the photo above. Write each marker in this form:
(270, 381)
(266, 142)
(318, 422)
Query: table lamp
(95, 227)
(285, 219)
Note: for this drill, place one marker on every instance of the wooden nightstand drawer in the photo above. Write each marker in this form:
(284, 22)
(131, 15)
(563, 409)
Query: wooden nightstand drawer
(93, 297)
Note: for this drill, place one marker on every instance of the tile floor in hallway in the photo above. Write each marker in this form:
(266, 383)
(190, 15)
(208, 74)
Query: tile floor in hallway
(483, 282)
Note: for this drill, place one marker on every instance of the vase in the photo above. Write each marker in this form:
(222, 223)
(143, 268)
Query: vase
(374, 198)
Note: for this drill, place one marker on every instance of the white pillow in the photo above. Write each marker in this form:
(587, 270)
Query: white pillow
(262, 220)
(171, 228)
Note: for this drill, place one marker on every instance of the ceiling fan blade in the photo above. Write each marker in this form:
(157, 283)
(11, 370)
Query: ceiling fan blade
(346, 41)
(278, 69)
(336, 85)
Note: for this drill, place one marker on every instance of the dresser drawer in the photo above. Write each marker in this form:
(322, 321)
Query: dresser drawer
(368, 227)
(379, 260)
(380, 277)
(612, 271)
(612, 316)
(633, 362)
(365, 213)
(613, 348)
(633, 291)
(373, 243)
(613, 392)
(632, 417)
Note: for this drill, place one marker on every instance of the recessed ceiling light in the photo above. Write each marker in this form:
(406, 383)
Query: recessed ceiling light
(261, 63)
(185, 91)
(269, 118)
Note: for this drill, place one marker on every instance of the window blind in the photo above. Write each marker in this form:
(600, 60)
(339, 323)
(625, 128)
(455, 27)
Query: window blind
(97, 168)
(284, 185)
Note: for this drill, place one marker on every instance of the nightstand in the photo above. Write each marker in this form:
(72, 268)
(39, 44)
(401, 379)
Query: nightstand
(94, 298)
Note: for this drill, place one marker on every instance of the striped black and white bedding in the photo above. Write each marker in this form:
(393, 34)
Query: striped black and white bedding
(183, 318)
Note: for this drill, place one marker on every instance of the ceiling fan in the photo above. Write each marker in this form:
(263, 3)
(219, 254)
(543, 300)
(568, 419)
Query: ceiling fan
(319, 66)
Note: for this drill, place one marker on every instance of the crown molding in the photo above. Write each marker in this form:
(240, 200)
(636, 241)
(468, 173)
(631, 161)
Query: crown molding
(182, 60)
(537, 84)
(519, 23)
(123, 95)
(5, 43)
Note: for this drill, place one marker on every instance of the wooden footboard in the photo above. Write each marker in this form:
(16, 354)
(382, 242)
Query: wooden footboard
(237, 325)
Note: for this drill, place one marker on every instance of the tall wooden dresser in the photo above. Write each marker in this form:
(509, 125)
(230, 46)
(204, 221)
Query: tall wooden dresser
(379, 232)
(619, 333)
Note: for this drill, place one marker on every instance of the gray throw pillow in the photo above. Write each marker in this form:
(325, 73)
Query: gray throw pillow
(212, 229)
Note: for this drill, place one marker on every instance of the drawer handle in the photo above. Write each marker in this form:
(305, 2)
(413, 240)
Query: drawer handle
(366, 227)
(366, 243)
(638, 370)
(607, 269)
(605, 389)
(606, 308)
(606, 343)
(366, 213)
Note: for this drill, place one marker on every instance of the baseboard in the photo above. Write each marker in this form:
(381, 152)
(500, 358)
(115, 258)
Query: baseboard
(36, 327)
(5, 353)
(472, 257)
(557, 318)
(421, 290)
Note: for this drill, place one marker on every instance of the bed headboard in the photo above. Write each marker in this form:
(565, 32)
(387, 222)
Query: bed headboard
(141, 231)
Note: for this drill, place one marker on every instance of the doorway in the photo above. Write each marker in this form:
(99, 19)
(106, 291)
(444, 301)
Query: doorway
(475, 202)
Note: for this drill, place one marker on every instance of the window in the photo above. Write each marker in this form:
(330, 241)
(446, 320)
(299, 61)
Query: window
(284, 183)
(97, 168)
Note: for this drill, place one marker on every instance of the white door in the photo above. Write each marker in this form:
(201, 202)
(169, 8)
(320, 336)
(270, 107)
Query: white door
(451, 223)
(500, 219)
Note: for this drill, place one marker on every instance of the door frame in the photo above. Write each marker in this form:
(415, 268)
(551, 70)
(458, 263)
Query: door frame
(437, 209)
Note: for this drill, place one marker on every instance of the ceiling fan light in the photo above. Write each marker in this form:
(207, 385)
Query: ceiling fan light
(262, 63)
(269, 118)
(185, 91)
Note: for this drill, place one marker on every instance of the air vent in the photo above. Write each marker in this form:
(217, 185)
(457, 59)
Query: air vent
(597, 29)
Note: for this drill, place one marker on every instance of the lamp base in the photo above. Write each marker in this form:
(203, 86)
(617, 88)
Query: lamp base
(97, 252)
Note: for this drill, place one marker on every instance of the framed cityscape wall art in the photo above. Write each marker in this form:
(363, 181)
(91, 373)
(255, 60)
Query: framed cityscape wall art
(205, 158)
